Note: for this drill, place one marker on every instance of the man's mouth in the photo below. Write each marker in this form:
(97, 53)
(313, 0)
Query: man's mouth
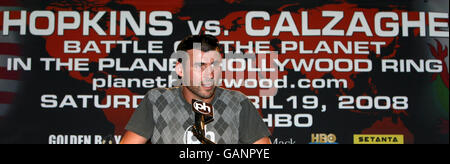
(208, 86)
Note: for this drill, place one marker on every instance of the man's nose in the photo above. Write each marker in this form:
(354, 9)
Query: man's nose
(209, 72)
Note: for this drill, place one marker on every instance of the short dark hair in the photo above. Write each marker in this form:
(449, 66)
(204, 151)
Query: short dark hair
(208, 42)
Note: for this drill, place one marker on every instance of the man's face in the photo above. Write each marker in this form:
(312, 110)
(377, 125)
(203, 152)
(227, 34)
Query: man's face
(202, 73)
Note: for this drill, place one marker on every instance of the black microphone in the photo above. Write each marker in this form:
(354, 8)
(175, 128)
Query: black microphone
(204, 114)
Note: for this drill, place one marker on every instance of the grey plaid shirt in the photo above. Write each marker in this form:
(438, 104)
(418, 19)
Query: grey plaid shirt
(165, 117)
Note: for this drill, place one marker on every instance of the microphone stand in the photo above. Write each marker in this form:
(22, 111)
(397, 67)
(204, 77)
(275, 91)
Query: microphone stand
(198, 129)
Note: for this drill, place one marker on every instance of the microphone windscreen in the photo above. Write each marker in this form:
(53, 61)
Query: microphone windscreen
(205, 109)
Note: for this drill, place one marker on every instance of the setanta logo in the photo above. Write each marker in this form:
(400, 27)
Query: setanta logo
(378, 139)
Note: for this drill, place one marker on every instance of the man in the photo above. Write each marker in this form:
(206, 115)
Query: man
(165, 115)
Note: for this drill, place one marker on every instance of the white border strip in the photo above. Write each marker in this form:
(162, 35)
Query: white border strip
(4, 109)
(4, 58)
(12, 37)
(10, 8)
(9, 85)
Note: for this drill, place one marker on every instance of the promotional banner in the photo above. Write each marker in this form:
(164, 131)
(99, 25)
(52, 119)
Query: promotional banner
(317, 71)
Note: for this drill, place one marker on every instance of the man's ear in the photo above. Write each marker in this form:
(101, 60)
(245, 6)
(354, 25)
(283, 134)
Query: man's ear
(179, 69)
